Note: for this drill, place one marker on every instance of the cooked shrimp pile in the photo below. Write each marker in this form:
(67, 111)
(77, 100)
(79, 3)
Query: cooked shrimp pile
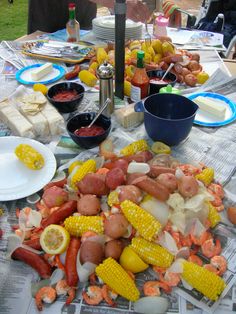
(101, 225)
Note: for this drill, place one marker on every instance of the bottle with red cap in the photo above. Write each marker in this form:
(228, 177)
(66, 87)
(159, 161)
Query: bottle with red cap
(72, 26)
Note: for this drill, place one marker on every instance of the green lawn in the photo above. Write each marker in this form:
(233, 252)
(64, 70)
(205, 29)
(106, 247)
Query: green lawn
(13, 19)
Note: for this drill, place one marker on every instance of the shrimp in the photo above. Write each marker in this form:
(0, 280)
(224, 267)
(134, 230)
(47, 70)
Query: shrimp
(159, 270)
(45, 294)
(211, 248)
(171, 279)
(217, 189)
(93, 296)
(220, 263)
(200, 240)
(211, 268)
(58, 263)
(195, 259)
(189, 170)
(109, 295)
(151, 288)
(62, 287)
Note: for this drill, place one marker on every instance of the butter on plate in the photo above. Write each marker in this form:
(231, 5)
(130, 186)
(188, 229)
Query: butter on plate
(41, 71)
(210, 106)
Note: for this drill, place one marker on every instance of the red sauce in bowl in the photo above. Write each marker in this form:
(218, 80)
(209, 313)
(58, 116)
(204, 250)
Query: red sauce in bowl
(157, 80)
(65, 95)
(94, 130)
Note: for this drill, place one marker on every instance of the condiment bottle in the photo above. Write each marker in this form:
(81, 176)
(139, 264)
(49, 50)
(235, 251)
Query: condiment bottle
(159, 27)
(140, 80)
(105, 73)
(72, 26)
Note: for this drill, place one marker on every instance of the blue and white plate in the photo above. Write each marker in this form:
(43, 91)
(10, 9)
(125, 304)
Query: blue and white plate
(23, 76)
(204, 118)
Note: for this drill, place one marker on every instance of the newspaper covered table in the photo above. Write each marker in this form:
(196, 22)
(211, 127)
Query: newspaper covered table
(215, 147)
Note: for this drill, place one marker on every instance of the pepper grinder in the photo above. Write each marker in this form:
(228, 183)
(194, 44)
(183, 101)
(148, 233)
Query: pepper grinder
(105, 73)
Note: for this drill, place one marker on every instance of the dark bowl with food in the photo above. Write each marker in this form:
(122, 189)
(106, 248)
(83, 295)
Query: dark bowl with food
(168, 118)
(88, 137)
(66, 96)
(156, 83)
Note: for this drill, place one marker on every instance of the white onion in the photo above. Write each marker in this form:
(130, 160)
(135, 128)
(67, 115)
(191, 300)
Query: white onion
(29, 248)
(176, 266)
(99, 161)
(60, 175)
(179, 173)
(56, 276)
(85, 270)
(198, 228)
(34, 218)
(140, 167)
(151, 305)
(195, 203)
(168, 242)
(178, 219)
(63, 258)
(33, 199)
(184, 252)
(158, 209)
(13, 242)
(186, 284)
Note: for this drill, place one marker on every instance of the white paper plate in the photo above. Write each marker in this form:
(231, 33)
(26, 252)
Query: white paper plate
(206, 119)
(23, 76)
(17, 180)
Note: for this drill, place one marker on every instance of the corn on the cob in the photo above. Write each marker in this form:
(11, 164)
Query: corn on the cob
(133, 148)
(77, 225)
(213, 215)
(206, 176)
(204, 281)
(152, 253)
(147, 225)
(80, 173)
(113, 198)
(29, 156)
(117, 279)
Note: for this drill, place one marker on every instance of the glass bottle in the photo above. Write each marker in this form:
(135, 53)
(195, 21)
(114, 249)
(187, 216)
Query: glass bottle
(140, 80)
(72, 26)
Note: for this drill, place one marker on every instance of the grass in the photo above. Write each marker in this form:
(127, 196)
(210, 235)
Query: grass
(13, 19)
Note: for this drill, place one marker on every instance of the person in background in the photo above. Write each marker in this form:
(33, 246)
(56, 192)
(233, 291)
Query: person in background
(52, 15)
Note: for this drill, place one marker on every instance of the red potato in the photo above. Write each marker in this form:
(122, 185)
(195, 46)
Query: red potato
(190, 80)
(88, 205)
(187, 186)
(155, 171)
(54, 196)
(92, 252)
(168, 180)
(129, 192)
(34, 260)
(193, 65)
(152, 187)
(64, 211)
(115, 226)
(114, 249)
(195, 56)
(114, 178)
(70, 264)
(93, 183)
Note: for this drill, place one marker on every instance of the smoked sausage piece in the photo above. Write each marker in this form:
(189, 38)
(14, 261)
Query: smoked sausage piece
(64, 211)
(34, 260)
(34, 243)
(93, 183)
(70, 265)
(114, 178)
(155, 171)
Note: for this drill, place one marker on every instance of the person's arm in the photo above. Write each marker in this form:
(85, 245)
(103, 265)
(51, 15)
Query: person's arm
(136, 9)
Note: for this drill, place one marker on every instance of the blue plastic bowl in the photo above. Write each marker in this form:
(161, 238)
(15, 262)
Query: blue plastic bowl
(167, 117)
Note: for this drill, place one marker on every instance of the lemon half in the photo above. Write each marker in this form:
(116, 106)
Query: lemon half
(160, 148)
(54, 239)
(130, 260)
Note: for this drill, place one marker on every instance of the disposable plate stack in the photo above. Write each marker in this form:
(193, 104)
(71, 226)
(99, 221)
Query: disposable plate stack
(104, 28)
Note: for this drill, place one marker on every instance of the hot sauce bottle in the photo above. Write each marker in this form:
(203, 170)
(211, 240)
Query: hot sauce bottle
(140, 80)
(72, 26)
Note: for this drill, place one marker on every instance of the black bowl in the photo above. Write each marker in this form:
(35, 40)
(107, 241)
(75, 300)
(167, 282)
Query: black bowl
(66, 106)
(154, 87)
(84, 119)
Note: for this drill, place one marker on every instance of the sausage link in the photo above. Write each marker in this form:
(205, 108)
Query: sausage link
(34, 260)
(34, 243)
(152, 187)
(74, 73)
(70, 264)
(64, 211)
(156, 170)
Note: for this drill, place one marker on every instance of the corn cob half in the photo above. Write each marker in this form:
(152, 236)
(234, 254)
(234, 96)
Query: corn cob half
(147, 225)
(77, 225)
(29, 156)
(133, 148)
(213, 215)
(206, 176)
(204, 281)
(114, 275)
(79, 173)
(152, 253)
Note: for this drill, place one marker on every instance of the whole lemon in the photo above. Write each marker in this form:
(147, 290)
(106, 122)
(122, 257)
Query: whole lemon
(127, 88)
(38, 87)
(202, 77)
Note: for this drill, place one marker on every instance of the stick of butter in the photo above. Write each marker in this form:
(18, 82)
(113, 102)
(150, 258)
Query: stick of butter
(41, 71)
(210, 106)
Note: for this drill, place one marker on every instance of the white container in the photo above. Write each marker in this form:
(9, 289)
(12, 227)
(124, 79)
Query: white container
(159, 27)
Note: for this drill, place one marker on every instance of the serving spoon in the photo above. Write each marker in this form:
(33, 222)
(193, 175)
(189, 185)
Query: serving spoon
(106, 103)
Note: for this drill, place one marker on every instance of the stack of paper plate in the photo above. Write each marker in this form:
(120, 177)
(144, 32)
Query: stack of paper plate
(104, 28)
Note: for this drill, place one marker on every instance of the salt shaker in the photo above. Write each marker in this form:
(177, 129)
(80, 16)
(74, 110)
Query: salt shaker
(105, 73)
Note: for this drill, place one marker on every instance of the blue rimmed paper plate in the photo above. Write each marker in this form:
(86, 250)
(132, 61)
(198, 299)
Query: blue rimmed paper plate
(23, 76)
(204, 118)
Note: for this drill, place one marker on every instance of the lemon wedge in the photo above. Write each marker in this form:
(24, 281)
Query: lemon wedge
(160, 148)
(54, 239)
(38, 87)
(130, 260)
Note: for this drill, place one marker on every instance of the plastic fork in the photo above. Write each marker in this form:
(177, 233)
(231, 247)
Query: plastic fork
(147, 36)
